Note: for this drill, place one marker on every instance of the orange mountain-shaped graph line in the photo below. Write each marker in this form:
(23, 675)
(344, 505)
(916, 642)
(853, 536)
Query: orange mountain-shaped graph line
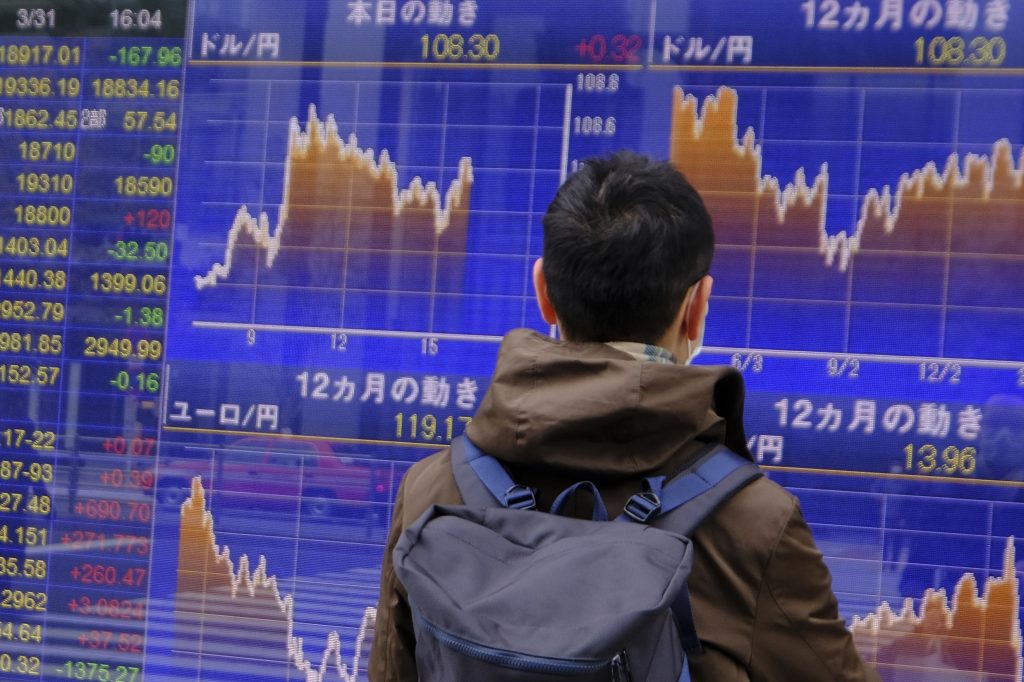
(972, 633)
(918, 214)
(318, 160)
(204, 567)
(715, 128)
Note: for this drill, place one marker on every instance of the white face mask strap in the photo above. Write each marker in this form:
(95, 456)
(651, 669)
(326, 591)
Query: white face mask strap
(694, 347)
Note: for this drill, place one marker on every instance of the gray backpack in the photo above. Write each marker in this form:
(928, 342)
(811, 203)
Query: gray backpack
(500, 593)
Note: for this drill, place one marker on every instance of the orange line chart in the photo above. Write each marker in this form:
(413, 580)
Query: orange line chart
(928, 210)
(972, 633)
(231, 609)
(337, 195)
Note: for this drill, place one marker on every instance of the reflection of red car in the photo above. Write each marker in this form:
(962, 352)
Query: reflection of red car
(276, 472)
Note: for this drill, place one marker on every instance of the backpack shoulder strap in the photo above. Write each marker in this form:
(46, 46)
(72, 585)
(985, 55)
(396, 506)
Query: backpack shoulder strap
(682, 503)
(483, 481)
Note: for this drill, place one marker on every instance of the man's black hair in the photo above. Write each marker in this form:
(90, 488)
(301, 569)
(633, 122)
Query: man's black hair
(624, 239)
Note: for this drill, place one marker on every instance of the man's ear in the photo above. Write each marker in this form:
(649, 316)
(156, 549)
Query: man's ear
(698, 308)
(540, 288)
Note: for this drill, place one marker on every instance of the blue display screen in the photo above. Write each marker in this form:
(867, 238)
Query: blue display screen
(256, 259)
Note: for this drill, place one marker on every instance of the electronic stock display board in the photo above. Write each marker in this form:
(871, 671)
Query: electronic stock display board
(256, 258)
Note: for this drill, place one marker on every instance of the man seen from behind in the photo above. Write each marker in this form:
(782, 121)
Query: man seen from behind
(628, 246)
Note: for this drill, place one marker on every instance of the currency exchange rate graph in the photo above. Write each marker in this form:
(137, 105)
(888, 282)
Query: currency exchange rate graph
(373, 224)
(936, 629)
(218, 598)
(374, 215)
(852, 240)
(256, 259)
(919, 609)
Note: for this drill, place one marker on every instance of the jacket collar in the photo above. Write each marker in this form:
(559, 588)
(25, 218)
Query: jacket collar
(591, 408)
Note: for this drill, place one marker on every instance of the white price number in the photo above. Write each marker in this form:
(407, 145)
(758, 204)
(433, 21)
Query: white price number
(594, 126)
(597, 82)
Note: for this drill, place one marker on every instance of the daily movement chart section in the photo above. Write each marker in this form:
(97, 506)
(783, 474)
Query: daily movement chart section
(337, 198)
(358, 233)
(355, 222)
(373, 214)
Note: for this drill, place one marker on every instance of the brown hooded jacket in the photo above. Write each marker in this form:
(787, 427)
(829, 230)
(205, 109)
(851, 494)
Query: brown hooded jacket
(559, 412)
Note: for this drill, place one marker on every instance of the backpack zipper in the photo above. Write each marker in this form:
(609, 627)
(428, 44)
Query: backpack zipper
(517, 661)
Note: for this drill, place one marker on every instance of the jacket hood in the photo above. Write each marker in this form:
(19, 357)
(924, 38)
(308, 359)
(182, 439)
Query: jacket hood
(591, 408)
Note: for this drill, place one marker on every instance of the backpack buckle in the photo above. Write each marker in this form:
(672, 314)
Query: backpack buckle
(520, 497)
(642, 507)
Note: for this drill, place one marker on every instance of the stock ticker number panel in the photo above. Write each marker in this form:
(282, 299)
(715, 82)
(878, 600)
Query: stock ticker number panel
(256, 259)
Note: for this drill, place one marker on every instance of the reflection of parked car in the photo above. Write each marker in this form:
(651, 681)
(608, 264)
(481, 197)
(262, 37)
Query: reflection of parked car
(276, 472)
